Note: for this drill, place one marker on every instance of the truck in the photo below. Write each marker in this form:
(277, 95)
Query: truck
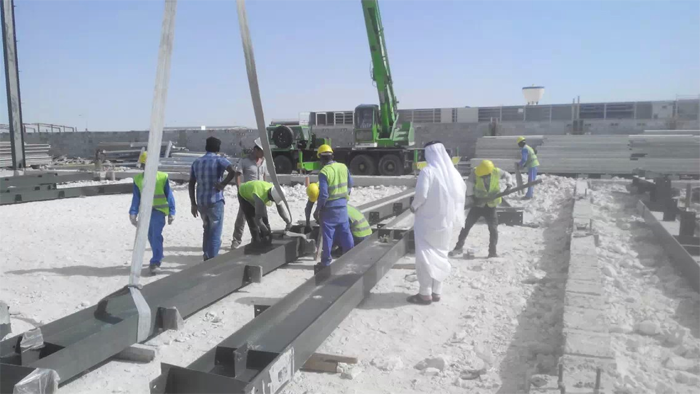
(382, 144)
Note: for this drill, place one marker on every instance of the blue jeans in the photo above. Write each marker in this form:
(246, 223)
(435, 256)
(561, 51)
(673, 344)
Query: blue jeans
(213, 219)
(531, 176)
(155, 236)
(335, 228)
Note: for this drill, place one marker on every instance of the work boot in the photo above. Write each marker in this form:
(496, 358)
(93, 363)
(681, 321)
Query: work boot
(235, 244)
(154, 269)
(492, 254)
(457, 252)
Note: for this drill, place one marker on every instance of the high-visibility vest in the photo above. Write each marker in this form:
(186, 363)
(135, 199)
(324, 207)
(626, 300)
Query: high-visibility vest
(358, 223)
(256, 188)
(337, 176)
(531, 157)
(160, 200)
(494, 188)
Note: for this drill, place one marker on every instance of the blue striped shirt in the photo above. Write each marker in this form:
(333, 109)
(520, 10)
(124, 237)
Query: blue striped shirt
(207, 171)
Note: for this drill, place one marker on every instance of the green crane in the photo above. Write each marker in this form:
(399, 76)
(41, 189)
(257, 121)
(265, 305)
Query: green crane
(378, 126)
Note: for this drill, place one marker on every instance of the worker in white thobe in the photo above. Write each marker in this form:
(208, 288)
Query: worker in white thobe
(439, 206)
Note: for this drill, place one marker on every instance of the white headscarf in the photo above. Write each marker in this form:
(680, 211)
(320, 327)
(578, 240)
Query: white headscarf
(450, 180)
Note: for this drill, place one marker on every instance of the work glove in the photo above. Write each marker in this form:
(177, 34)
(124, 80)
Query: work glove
(171, 219)
(133, 220)
(316, 216)
(307, 229)
(412, 208)
(288, 226)
(194, 210)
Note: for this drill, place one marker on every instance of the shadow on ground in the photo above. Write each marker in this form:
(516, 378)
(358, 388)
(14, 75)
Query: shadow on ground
(86, 270)
(540, 322)
(385, 301)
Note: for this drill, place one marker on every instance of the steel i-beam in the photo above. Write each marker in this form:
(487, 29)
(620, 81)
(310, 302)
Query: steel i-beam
(20, 196)
(263, 356)
(78, 342)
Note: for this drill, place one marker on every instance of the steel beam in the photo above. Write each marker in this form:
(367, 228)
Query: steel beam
(30, 181)
(14, 99)
(20, 196)
(681, 257)
(263, 356)
(87, 338)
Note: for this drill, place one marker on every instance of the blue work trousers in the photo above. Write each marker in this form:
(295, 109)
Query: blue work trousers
(213, 220)
(335, 228)
(531, 176)
(155, 236)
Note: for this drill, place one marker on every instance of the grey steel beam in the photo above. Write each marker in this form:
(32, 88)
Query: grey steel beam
(14, 99)
(20, 196)
(681, 257)
(43, 179)
(87, 338)
(263, 356)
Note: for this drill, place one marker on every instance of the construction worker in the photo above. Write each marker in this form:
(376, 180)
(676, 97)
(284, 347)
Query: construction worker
(484, 183)
(254, 197)
(163, 205)
(206, 175)
(359, 226)
(334, 184)
(251, 168)
(529, 161)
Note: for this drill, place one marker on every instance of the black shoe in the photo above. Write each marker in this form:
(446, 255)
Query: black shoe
(154, 269)
(492, 255)
(456, 252)
(417, 299)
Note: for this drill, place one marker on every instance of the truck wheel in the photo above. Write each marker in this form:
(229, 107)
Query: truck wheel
(363, 165)
(390, 165)
(283, 165)
(283, 136)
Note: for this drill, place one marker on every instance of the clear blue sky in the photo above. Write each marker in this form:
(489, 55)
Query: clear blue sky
(98, 58)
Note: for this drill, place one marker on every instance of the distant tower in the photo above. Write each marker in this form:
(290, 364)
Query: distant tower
(533, 94)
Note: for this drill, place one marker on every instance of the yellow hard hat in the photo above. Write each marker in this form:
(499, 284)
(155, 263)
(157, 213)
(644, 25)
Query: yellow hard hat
(312, 192)
(484, 168)
(325, 148)
(521, 139)
(143, 157)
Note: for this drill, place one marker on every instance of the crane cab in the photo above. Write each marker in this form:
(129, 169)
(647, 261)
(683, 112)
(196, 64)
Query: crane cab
(367, 125)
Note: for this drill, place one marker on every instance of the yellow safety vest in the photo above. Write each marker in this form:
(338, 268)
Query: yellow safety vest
(256, 188)
(494, 188)
(160, 201)
(531, 158)
(337, 176)
(358, 223)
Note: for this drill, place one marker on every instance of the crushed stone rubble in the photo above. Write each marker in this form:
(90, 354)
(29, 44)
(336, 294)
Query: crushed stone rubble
(653, 313)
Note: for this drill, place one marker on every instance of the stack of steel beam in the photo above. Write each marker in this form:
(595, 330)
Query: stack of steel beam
(182, 161)
(127, 153)
(35, 154)
(504, 147)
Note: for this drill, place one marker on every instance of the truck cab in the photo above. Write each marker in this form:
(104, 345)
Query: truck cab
(367, 126)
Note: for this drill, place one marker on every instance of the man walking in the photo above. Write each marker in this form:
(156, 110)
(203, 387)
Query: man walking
(484, 183)
(206, 174)
(250, 168)
(529, 161)
(163, 205)
(334, 184)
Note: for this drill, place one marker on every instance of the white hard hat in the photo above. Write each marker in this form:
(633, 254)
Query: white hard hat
(277, 197)
(258, 143)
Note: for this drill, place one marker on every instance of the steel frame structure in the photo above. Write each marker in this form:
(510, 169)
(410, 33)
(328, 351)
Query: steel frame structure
(30, 181)
(78, 342)
(14, 98)
(264, 354)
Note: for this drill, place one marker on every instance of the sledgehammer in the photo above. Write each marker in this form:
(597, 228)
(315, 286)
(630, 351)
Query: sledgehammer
(468, 203)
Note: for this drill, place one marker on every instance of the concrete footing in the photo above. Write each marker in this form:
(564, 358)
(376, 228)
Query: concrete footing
(588, 360)
(138, 353)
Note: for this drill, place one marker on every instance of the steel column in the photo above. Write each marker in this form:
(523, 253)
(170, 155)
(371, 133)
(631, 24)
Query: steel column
(263, 356)
(14, 99)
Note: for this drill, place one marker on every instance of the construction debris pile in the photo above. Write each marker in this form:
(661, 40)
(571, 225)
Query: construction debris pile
(599, 154)
(35, 154)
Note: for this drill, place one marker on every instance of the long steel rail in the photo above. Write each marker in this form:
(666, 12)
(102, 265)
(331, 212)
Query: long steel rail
(78, 342)
(263, 356)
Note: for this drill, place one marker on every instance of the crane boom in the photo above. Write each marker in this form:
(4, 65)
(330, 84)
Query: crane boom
(381, 72)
